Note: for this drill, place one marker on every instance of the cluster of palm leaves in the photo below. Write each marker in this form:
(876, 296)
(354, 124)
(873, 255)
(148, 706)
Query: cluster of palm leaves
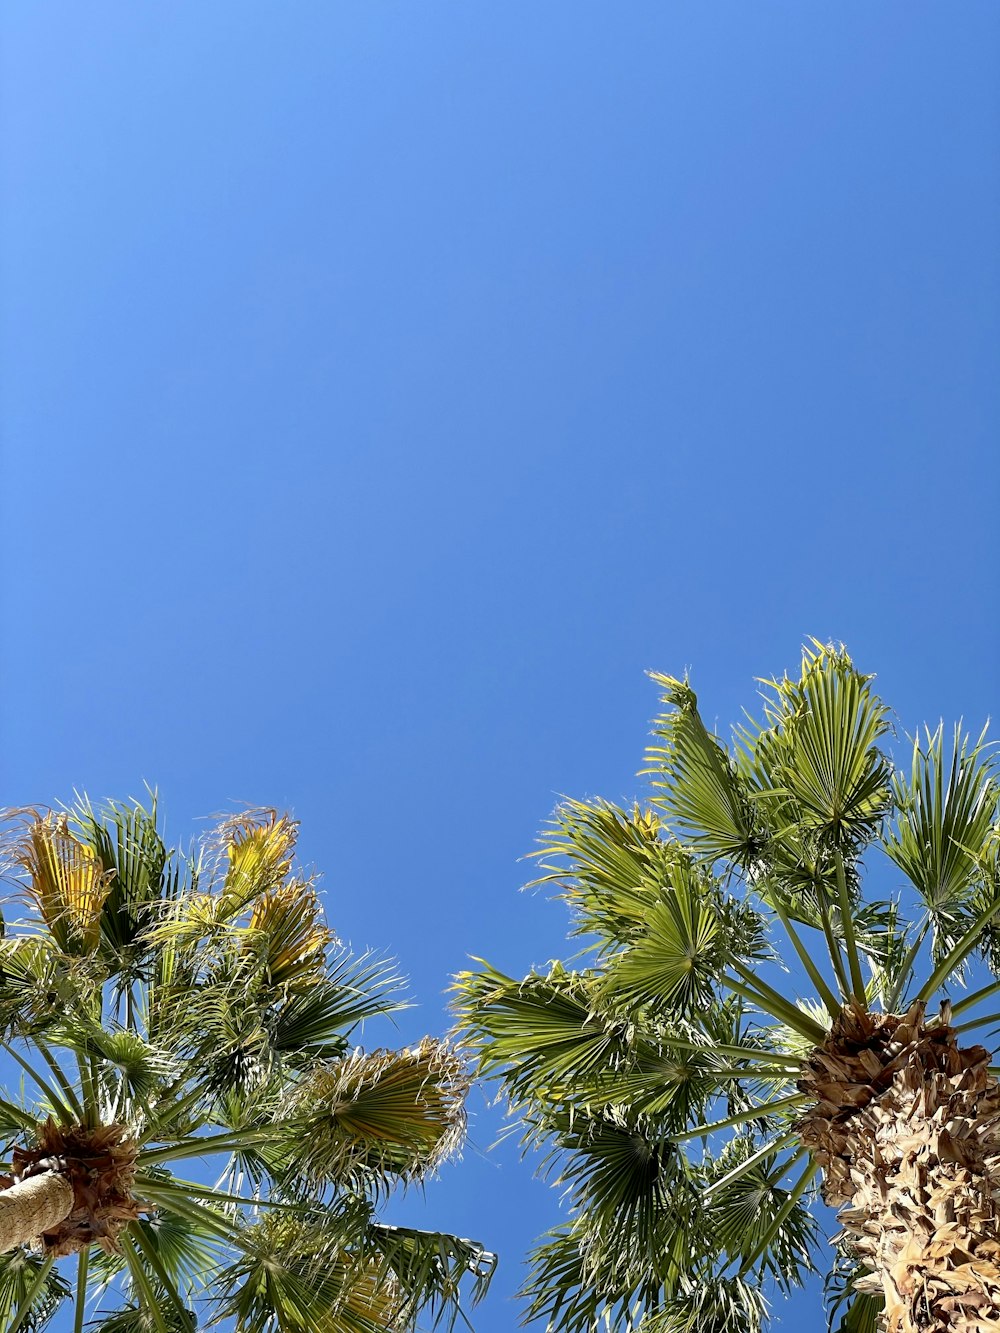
(724, 927)
(200, 1005)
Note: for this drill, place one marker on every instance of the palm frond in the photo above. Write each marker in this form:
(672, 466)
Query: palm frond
(605, 867)
(711, 1305)
(947, 809)
(25, 1275)
(297, 1277)
(315, 1023)
(66, 881)
(258, 847)
(744, 1208)
(697, 785)
(287, 936)
(127, 842)
(674, 963)
(429, 1268)
(374, 1113)
(816, 761)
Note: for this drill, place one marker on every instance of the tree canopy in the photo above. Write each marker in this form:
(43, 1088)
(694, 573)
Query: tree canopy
(184, 1029)
(744, 987)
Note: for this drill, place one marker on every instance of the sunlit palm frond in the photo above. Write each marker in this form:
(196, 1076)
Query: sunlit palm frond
(818, 752)
(429, 1267)
(66, 882)
(745, 1210)
(675, 959)
(314, 1024)
(298, 1277)
(374, 1113)
(29, 1286)
(863, 1314)
(127, 842)
(143, 1319)
(623, 1174)
(258, 847)
(287, 936)
(697, 784)
(35, 983)
(603, 859)
(947, 807)
(546, 1034)
(711, 1305)
(560, 1288)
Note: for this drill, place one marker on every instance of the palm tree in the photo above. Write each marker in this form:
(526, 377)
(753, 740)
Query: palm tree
(751, 1024)
(192, 1123)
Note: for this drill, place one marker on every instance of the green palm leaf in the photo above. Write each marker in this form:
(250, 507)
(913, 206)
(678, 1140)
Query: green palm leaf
(30, 1285)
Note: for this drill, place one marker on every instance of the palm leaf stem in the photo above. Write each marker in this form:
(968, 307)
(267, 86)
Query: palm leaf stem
(961, 951)
(206, 1219)
(894, 996)
(833, 1005)
(832, 943)
(69, 1091)
(774, 1146)
(82, 1267)
(747, 1071)
(211, 1143)
(185, 1188)
(755, 989)
(977, 1022)
(757, 1113)
(64, 1113)
(141, 1280)
(166, 1281)
(985, 993)
(847, 921)
(749, 1052)
(794, 1195)
(91, 1102)
(23, 1310)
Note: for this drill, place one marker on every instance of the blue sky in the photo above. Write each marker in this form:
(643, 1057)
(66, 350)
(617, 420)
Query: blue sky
(386, 386)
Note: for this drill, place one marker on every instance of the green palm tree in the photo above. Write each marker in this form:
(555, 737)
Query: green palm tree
(750, 1027)
(192, 1123)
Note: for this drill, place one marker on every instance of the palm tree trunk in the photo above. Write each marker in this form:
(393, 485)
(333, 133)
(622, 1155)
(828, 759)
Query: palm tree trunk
(907, 1129)
(32, 1206)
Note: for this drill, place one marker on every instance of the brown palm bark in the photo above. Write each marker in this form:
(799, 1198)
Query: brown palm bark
(906, 1127)
(32, 1206)
(91, 1199)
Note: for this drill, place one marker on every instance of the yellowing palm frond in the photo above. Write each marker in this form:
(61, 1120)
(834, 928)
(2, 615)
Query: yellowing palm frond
(66, 881)
(288, 935)
(258, 847)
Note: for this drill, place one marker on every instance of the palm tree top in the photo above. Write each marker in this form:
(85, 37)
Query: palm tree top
(741, 996)
(195, 1123)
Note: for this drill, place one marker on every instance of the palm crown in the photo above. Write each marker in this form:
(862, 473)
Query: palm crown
(751, 1023)
(167, 1011)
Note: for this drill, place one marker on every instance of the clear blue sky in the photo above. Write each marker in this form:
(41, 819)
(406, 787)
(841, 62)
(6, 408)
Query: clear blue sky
(385, 386)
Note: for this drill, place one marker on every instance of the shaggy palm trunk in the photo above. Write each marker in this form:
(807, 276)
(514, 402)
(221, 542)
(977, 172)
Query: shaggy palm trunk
(906, 1127)
(32, 1206)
